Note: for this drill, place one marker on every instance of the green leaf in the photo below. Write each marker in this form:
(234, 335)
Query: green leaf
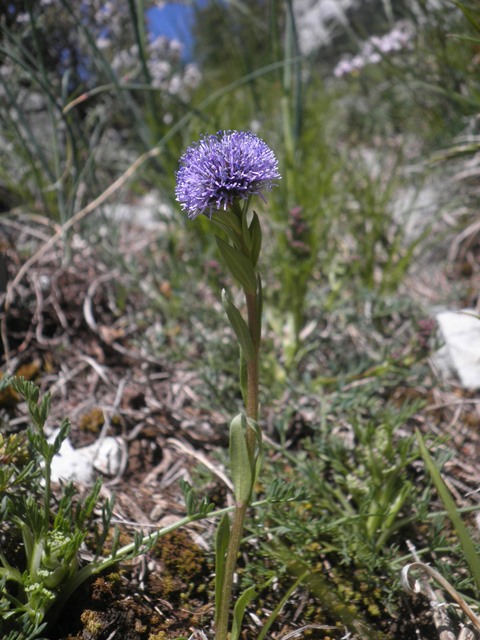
(191, 502)
(471, 15)
(239, 326)
(240, 463)
(276, 612)
(234, 235)
(4, 383)
(240, 606)
(221, 544)
(44, 408)
(246, 231)
(464, 537)
(61, 435)
(229, 220)
(256, 236)
(239, 265)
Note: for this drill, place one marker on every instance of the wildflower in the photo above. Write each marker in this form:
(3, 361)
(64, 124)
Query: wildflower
(374, 49)
(222, 168)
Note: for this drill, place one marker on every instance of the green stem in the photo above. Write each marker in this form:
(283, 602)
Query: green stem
(47, 494)
(252, 367)
(221, 632)
(252, 402)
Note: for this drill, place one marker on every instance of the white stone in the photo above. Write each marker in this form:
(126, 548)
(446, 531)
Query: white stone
(460, 331)
(72, 464)
(83, 464)
(107, 455)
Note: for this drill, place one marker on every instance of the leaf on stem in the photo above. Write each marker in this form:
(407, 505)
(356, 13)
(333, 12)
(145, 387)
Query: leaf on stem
(240, 463)
(239, 326)
(256, 237)
(227, 220)
(240, 606)
(239, 265)
(247, 239)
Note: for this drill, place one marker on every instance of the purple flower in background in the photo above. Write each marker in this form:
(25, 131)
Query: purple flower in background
(221, 168)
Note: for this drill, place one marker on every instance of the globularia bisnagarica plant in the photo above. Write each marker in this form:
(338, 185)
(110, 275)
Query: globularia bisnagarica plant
(217, 177)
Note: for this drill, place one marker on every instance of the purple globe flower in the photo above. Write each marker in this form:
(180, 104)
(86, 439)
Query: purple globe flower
(221, 168)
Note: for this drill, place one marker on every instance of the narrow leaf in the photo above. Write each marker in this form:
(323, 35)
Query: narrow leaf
(238, 613)
(256, 236)
(239, 326)
(240, 464)
(275, 613)
(246, 232)
(236, 241)
(229, 220)
(239, 266)
(472, 16)
(61, 435)
(464, 537)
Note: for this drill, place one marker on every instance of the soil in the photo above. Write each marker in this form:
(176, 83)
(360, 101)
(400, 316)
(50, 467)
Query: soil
(64, 329)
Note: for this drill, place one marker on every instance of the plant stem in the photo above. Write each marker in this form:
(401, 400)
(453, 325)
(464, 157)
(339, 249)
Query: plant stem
(252, 367)
(221, 632)
(239, 514)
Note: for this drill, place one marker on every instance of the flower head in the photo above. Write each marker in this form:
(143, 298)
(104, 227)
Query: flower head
(221, 168)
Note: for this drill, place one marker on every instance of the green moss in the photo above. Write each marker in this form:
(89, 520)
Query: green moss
(92, 622)
(92, 421)
(180, 556)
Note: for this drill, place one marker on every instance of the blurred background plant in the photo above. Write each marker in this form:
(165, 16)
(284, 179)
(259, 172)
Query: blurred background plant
(83, 86)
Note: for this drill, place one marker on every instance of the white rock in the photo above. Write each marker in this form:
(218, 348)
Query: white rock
(461, 353)
(107, 455)
(72, 464)
(81, 465)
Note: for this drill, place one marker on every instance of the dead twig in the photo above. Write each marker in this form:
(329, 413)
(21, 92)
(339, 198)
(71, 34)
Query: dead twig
(422, 585)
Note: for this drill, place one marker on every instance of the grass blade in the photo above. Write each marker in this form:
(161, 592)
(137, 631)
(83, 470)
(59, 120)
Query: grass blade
(464, 537)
